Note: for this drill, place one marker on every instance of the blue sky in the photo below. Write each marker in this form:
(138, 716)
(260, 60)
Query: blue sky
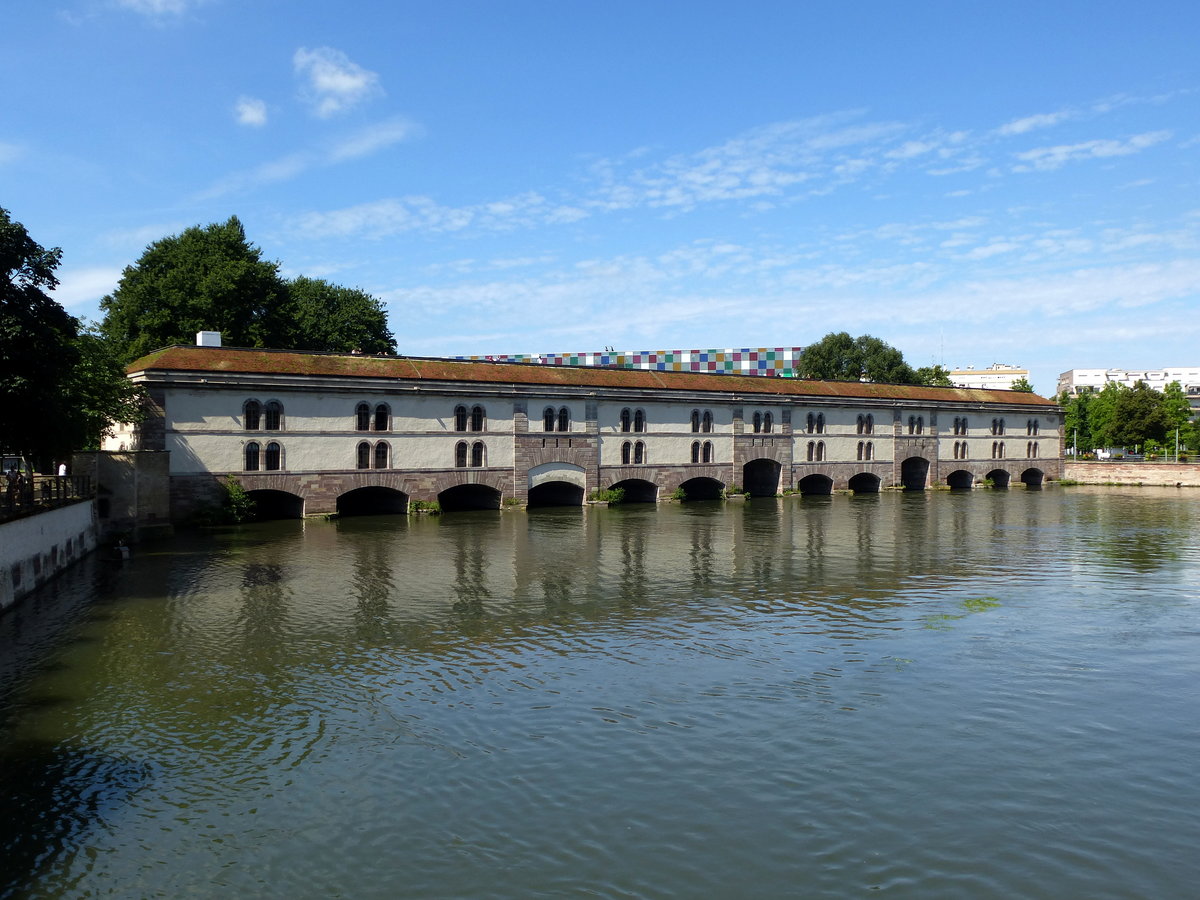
(974, 183)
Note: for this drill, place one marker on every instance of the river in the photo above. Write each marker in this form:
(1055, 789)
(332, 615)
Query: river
(979, 694)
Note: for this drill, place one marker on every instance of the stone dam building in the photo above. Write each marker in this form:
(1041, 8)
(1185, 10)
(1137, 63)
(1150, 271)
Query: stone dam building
(319, 433)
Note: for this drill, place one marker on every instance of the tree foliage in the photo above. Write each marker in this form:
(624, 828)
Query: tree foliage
(212, 278)
(339, 319)
(1077, 420)
(1138, 416)
(204, 279)
(933, 376)
(37, 349)
(60, 387)
(1022, 384)
(839, 357)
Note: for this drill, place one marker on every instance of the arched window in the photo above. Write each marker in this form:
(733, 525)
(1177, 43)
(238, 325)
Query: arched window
(639, 453)
(768, 421)
(695, 422)
(912, 424)
(639, 420)
(757, 421)
(870, 450)
(362, 417)
(859, 424)
(382, 415)
(274, 415)
(706, 422)
(920, 424)
(995, 428)
(625, 447)
(1002, 426)
(861, 446)
(1035, 449)
(820, 451)
(625, 416)
(820, 423)
(478, 454)
(995, 445)
(1001, 450)
(564, 419)
(274, 457)
(477, 418)
(812, 449)
(695, 451)
(812, 423)
(460, 454)
(708, 453)
(1036, 423)
(252, 456)
(381, 455)
(870, 424)
(252, 415)
(548, 419)
(460, 418)
(364, 455)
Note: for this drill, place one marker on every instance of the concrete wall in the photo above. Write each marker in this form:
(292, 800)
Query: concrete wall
(1169, 474)
(35, 548)
(132, 490)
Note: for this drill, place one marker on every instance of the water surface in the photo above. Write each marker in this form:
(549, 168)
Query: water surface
(987, 694)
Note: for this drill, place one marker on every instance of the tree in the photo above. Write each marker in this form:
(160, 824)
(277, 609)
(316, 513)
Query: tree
(98, 393)
(1103, 415)
(338, 319)
(839, 357)
(934, 376)
(1077, 425)
(204, 279)
(1022, 384)
(37, 349)
(1138, 416)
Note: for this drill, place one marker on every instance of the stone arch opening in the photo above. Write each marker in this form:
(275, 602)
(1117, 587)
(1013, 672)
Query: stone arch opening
(555, 493)
(638, 490)
(864, 483)
(914, 473)
(815, 485)
(469, 496)
(702, 489)
(999, 478)
(960, 480)
(1033, 478)
(761, 477)
(271, 504)
(373, 501)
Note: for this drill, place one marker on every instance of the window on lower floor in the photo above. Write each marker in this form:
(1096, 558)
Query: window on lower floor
(274, 457)
(708, 451)
(363, 457)
(382, 455)
(478, 454)
(251, 456)
(460, 454)
(639, 453)
(695, 451)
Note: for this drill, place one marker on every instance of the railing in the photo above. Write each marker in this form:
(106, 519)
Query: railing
(25, 495)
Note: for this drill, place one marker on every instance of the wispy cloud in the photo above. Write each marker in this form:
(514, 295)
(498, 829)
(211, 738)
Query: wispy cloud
(159, 9)
(332, 82)
(1044, 158)
(365, 142)
(1032, 123)
(9, 152)
(250, 111)
(78, 287)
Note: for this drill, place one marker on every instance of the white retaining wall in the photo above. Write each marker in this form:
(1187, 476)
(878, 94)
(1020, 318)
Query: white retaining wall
(36, 548)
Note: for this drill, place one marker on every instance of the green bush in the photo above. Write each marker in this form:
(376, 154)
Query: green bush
(429, 507)
(611, 496)
(678, 494)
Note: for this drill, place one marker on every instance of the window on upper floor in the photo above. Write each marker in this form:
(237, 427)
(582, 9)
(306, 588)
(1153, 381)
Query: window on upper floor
(695, 421)
(706, 422)
(626, 419)
(564, 419)
(362, 417)
(548, 418)
(757, 421)
(273, 415)
(460, 418)
(478, 418)
(639, 420)
(768, 422)
(252, 415)
(383, 416)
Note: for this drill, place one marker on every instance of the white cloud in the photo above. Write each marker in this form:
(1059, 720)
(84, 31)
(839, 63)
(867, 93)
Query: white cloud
(1031, 123)
(250, 111)
(373, 138)
(9, 152)
(77, 287)
(333, 83)
(158, 9)
(1045, 158)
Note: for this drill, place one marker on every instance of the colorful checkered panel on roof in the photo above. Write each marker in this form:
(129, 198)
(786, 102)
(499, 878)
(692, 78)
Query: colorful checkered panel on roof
(777, 361)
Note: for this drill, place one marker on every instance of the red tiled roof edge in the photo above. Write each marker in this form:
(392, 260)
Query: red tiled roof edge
(407, 368)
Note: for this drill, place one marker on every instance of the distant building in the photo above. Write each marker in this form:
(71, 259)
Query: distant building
(1095, 379)
(997, 376)
(777, 361)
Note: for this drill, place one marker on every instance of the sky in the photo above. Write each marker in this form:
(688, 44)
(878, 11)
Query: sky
(1013, 182)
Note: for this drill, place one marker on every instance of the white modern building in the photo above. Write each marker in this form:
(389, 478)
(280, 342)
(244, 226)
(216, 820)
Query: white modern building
(1188, 377)
(998, 375)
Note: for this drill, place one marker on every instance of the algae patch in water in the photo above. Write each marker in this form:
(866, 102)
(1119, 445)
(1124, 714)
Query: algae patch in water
(979, 604)
(970, 605)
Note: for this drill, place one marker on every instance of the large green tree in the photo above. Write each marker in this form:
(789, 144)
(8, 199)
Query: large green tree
(37, 347)
(840, 357)
(1022, 384)
(207, 278)
(1138, 416)
(934, 376)
(1102, 415)
(339, 319)
(1077, 419)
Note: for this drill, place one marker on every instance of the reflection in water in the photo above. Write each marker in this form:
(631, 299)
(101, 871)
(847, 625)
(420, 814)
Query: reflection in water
(818, 696)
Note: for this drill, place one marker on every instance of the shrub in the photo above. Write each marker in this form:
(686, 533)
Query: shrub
(611, 496)
(429, 507)
(678, 494)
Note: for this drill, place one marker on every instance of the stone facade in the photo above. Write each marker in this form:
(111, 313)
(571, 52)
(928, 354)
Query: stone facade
(345, 433)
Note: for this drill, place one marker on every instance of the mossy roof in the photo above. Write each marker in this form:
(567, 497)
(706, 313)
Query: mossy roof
(409, 368)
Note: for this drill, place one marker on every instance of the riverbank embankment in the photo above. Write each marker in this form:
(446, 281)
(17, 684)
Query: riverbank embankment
(35, 548)
(1152, 473)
